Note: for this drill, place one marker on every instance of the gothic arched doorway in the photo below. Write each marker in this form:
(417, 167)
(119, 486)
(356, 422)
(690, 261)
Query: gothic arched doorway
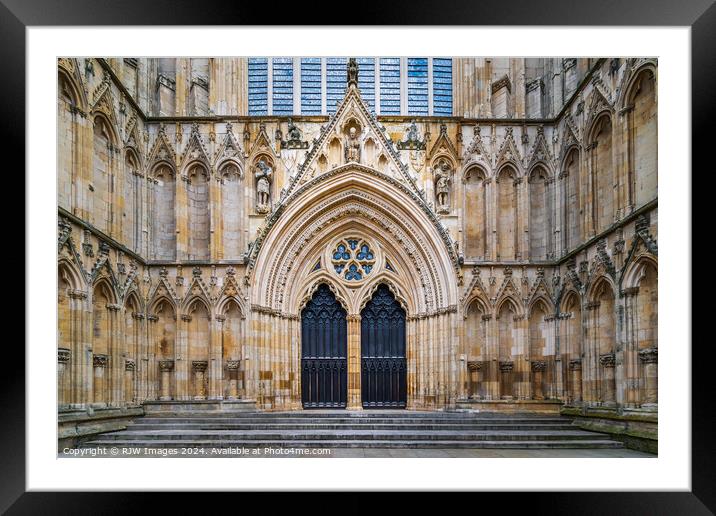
(383, 364)
(323, 351)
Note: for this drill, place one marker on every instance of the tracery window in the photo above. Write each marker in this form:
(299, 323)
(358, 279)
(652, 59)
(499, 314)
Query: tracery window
(353, 259)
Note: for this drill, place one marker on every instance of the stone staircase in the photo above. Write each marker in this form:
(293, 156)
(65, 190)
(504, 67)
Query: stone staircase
(342, 429)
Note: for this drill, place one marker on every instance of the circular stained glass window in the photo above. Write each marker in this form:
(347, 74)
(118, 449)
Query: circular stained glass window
(353, 259)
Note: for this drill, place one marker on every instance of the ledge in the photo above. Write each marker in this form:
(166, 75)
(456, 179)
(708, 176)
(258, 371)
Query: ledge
(636, 428)
(75, 426)
(511, 406)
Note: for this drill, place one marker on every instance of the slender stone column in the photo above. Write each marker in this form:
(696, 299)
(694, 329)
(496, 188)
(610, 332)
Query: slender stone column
(139, 389)
(576, 367)
(354, 365)
(607, 360)
(114, 395)
(474, 368)
(79, 393)
(129, 368)
(152, 387)
(233, 367)
(649, 358)
(506, 386)
(216, 369)
(538, 368)
(183, 366)
(166, 367)
(63, 360)
(99, 387)
(199, 368)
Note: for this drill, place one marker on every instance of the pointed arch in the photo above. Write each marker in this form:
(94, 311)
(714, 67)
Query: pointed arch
(507, 198)
(198, 219)
(476, 214)
(571, 196)
(232, 209)
(603, 171)
(541, 207)
(163, 197)
(132, 216)
(641, 106)
(104, 140)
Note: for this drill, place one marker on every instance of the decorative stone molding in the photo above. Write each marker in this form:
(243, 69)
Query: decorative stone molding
(114, 307)
(129, 364)
(539, 365)
(593, 305)
(486, 317)
(575, 364)
(502, 82)
(152, 318)
(649, 355)
(77, 294)
(166, 365)
(473, 365)
(506, 367)
(630, 291)
(186, 317)
(232, 365)
(137, 315)
(220, 318)
(353, 318)
(607, 360)
(100, 360)
(199, 365)
(63, 355)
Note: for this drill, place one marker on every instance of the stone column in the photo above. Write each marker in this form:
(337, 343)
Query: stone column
(166, 367)
(576, 367)
(152, 387)
(354, 364)
(216, 369)
(99, 387)
(649, 357)
(129, 367)
(199, 368)
(506, 387)
(79, 369)
(607, 360)
(233, 367)
(474, 368)
(63, 360)
(538, 367)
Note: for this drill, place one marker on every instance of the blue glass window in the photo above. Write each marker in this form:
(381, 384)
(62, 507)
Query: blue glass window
(353, 259)
(442, 87)
(258, 86)
(366, 80)
(282, 85)
(389, 85)
(311, 86)
(418, 86)
(336, 78)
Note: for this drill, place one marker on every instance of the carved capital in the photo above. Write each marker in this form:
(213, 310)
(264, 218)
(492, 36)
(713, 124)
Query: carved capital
(63, 355)
(607, 360)
(77, 294)
(100, 360)
(649, 356)
(137, 315)
(166, 365)
(114, 307)
(539, 365)
(631, 291)
(199, 365)
(129, 364)
(186, 317)
(232, 365)
(220, 317)
(506, 367)
(473, 365)
(152, 318)
(575, 365)
(486, 317)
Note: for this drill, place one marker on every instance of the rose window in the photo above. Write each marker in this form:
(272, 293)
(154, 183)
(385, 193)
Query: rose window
(353, 259)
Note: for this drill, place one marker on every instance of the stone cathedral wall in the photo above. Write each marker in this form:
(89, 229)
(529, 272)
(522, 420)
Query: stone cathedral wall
(545, 188)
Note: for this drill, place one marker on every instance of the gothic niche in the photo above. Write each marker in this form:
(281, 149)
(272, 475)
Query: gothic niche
(352, 131)
(263, 172)
(412, 139)
(353, 259)
(442, 175)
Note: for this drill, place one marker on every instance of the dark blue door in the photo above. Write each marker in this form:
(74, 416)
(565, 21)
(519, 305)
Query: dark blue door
(324, 342)
(383, 365)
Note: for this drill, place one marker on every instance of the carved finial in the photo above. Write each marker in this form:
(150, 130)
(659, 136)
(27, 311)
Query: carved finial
(352, 72)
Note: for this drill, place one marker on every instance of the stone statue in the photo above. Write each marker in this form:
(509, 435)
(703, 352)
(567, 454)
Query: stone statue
(352, 72)
(442, 187)
(294, 134)
(412, 139)
(263, 186)
(352, 151)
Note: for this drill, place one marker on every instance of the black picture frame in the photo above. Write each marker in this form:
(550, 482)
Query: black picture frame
(700, 15)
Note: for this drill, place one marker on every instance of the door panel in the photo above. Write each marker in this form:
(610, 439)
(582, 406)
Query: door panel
(383, 364)
(323, 351)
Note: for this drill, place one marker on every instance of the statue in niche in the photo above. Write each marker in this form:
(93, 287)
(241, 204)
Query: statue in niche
(352, 72)
(442, 187)
(352, 151)
(263, 186)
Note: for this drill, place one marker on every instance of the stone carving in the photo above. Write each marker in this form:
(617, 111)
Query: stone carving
(352, 72)
(473, 365)
(649, 355)
(263, 177)
(443, 174)
(129, 364)
(352, 149)
(99, 360)
(199, 365)
(232, 365)
(607, 360)
(412, 139)
(506, 367)
(294, 138)
(166, 365)
(575, 365)
(63, 355)
(539, 366)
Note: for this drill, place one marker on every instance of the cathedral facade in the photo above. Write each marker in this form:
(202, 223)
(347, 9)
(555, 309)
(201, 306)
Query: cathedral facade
(427, 233)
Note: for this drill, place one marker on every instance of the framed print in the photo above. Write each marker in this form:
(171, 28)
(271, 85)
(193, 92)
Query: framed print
(428, 253)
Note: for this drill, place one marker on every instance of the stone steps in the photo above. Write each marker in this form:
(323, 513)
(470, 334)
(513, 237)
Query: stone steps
(342, 429)
(553, 444)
